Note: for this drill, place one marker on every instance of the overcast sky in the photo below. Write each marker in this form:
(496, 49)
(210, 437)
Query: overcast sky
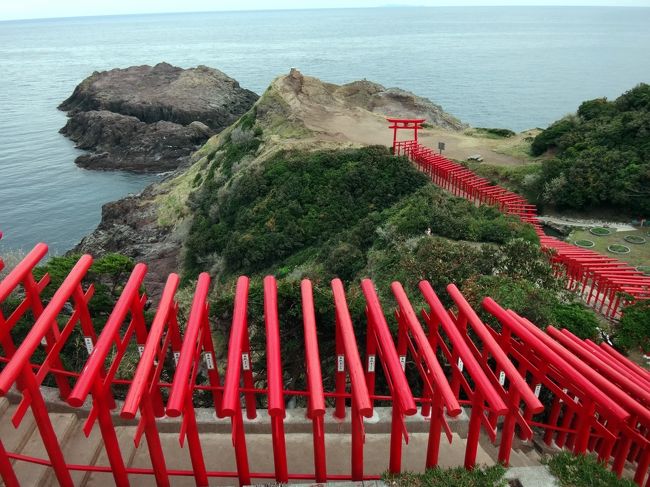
(30, 9)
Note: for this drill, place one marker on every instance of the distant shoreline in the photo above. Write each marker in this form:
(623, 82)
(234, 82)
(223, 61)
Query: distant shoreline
(315, 9)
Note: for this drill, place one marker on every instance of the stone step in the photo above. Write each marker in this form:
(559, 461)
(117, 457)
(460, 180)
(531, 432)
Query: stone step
(35, 475)
(14, 439)
(520, 455)
(79, 450)
(125, 436)
(219, 455)
(532, 476)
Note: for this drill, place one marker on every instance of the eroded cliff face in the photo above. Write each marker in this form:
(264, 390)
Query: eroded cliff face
(295, 112)
(150, 119)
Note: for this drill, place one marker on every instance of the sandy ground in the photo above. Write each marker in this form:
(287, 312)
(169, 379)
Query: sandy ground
(366, 128)
(336, 120)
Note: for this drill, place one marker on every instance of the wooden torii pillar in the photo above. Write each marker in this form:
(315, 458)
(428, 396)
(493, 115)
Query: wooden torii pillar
(408, 124)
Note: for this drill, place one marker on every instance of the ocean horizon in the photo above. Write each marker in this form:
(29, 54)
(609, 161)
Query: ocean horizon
(508, 67)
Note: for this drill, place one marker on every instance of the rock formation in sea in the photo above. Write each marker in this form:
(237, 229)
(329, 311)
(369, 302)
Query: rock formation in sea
(150, 119)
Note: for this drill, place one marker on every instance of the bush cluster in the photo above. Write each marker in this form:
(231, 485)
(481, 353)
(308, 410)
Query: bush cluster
(602, 155)
(351, 214)
(583, 471)
(633, 331)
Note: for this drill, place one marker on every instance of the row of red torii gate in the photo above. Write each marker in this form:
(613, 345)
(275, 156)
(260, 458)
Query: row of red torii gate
(606, 283)
(594, 399)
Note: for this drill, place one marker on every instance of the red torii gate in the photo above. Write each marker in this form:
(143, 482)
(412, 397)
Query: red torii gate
(163, 339)
(405, 124)
(601, 401)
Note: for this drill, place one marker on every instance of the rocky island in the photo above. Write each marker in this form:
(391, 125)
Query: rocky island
(150, 119)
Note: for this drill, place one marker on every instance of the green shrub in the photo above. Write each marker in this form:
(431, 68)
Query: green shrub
(297, 200)
(633, 331)
(543, 306)
(108, 274)
(345, 260)
(576, 318)
(430, 209)
(583, 471)
(500, 133)
(551, 137)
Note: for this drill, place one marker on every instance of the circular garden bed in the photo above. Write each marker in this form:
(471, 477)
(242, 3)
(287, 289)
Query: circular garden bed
(584, 243)
(618, 249)
(600, 231)
(634, 239)
(645, 269)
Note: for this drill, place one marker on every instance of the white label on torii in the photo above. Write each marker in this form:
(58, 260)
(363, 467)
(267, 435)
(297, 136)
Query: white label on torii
(140, 350)
(245, 361)
(340, 363)
(460, 364)
(538, 389)
(177, 355)
(89, 344)
(502, 377)
(44, 342)
(402, 361)
(209, 361)
(565, 391)
(371, 363)
(576, 399)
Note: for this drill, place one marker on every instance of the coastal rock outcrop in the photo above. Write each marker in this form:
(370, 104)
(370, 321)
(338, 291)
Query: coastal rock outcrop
(150, 119)
(395, 102)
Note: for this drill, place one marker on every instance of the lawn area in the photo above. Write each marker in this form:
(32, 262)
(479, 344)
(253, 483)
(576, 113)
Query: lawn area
(639, 254)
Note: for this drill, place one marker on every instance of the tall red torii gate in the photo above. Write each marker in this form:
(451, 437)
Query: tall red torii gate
(397, 124)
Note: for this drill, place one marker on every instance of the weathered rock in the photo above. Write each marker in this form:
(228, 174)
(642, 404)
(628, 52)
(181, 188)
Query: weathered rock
(130, 226)
(124, 142)
(149, 119)
(164, 92)
(396, 102)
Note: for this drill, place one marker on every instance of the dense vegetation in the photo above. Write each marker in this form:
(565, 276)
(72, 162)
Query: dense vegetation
(633, 331)
(328, 204)
(601, 155)
(354, 214)
(583, 471)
